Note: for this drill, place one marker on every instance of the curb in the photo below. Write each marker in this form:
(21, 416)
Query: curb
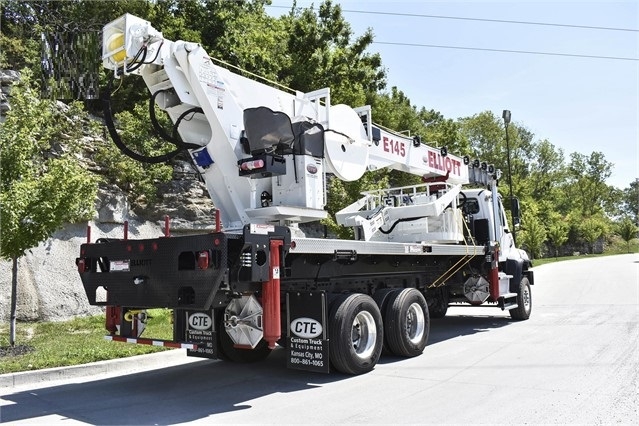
(120, 365)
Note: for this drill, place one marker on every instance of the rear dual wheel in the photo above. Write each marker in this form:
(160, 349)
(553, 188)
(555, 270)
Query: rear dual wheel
(406, 322)
(356, 332)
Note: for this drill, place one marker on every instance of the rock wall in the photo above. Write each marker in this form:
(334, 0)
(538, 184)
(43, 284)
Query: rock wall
(49, 287)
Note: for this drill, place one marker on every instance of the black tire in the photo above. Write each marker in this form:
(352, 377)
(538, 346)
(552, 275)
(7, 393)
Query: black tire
(356, 334)
(407, 323)
(381, 297)
(524, 301)
(228, 352)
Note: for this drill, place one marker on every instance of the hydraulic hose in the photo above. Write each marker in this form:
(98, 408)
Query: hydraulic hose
(108, 118)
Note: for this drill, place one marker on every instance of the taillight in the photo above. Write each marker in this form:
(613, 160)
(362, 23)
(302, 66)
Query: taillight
(203, 260)
(82, 266)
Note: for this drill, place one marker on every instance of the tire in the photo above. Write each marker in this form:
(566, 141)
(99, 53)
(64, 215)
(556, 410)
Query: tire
(227, 352)
(356, 334)
(524, 301)
(381, 297)
(407, 323)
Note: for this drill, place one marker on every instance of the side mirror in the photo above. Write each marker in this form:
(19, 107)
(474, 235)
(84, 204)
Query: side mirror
(515, 212)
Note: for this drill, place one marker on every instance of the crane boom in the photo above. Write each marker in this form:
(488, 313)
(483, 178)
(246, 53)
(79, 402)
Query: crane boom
(263, 152)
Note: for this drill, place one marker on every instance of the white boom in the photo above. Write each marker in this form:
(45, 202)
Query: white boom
(264, 153)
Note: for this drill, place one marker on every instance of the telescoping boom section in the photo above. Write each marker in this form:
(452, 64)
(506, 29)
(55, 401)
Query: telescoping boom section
(256, 281)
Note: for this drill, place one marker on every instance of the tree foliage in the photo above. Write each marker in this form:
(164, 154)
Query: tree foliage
(587, 188)
(532, 236)
(630, 201)
(558, 235)
(321, 52)
(139, 180)
(43, 184)
(592, 229)
(627, 230)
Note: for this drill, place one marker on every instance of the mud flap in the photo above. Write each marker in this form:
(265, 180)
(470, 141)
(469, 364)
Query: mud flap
(307, 331)
(197, 327)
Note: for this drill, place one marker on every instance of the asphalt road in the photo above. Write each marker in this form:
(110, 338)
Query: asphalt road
(575, 361)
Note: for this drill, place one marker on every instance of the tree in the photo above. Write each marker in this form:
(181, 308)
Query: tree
(533, 236)
(630, 205)
(547, 171)
(485, 134)
(320, 53)
(627, 230)
(43, 186)
(591, 229)
(558, 235)
(587, 189)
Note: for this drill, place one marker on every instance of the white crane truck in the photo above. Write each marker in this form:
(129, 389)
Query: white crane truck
(256, 280)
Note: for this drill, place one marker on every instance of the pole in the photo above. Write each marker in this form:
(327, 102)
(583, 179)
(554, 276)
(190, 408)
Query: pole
(506, 117)
(14, 292)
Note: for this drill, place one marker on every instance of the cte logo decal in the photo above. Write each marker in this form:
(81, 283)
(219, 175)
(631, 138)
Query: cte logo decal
(200, 321)
(307, 328)
(394, 147)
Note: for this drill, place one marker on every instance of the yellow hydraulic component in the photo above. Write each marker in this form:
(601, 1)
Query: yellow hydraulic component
(128, 316)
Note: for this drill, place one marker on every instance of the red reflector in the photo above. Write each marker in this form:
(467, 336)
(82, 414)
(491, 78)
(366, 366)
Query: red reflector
(129, 248)
(141, 247)
(154, 246)
(216, 241)
(252, 165)
(203, 260)
(81, 265)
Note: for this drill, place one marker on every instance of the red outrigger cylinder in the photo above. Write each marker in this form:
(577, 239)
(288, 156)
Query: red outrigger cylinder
(271, 298)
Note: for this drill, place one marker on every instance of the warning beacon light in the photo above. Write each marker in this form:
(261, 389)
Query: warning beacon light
(128, 41)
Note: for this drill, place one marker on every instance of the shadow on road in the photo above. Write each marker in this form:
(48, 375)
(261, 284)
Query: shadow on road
(457, 325)
(169, 395)
(199, 389)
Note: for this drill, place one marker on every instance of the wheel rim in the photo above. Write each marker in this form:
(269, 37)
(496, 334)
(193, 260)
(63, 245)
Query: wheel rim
(415, 323)
(525, 296)
(364, 334)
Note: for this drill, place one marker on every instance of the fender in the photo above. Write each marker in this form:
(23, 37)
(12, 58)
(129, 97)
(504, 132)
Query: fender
(514, 267)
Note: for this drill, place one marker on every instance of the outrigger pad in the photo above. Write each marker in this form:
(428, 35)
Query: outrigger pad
(268, 130)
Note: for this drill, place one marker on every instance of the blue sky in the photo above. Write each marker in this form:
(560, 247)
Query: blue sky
(578, 104)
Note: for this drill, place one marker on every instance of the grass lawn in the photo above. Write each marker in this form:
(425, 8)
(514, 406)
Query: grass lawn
(615, 247)
(78, 341)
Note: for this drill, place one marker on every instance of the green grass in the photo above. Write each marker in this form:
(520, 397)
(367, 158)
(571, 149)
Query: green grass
(78, 341)
(615, 246)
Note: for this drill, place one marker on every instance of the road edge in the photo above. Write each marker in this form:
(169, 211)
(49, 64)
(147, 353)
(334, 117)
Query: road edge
(119, 365)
